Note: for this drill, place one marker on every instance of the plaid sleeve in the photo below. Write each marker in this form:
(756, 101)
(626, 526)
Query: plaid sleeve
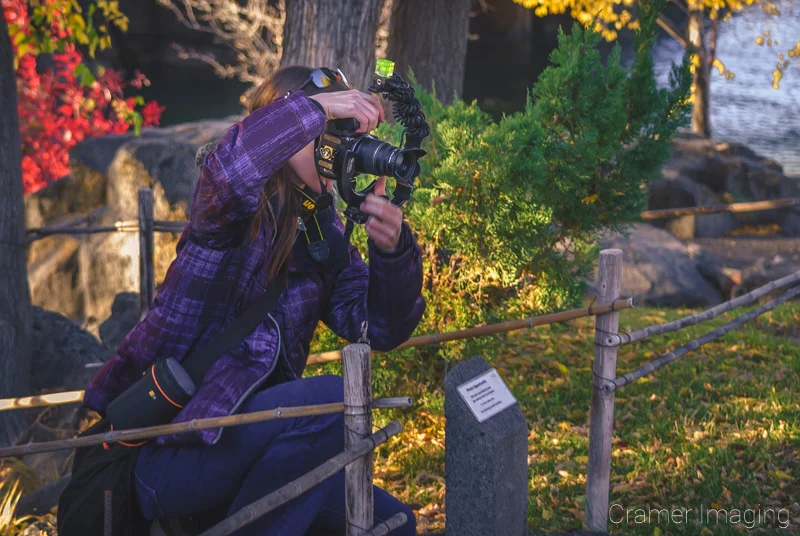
(114, 377)
(387, 293)
(236, 170)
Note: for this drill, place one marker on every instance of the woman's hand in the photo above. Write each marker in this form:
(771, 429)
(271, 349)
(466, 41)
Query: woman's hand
(363, 107)
(385, 219)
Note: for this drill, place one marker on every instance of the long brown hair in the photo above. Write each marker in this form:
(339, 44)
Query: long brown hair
(284, 219)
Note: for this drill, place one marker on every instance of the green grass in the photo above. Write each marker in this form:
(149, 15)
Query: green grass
(719, 428)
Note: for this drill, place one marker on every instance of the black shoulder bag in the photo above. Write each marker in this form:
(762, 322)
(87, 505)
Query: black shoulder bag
(155, 399)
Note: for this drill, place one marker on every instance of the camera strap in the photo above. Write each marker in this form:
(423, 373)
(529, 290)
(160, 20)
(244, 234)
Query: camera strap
(198, 363)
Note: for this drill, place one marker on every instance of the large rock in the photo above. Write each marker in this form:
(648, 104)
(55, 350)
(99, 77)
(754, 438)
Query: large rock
(53, 275)
(80, 277)
(765, 270)
(658, 270)
(674, 192)
(97, 154)
(67, 198)
(124, 315)
(731, 172)
(60, 349)
(109, 263)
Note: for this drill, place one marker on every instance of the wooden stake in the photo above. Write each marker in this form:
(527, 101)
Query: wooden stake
(601, 428)
(297, 487)
(356, 365)
(385, 527)
(147, 282)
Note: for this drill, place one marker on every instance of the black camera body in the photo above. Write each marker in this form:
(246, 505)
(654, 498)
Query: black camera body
(342, 154)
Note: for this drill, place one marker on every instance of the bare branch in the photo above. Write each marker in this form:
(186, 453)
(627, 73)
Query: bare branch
(681, 5)
(252, 30)
(670, 28)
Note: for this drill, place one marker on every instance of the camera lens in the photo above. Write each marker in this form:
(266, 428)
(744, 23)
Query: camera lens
(378, 157)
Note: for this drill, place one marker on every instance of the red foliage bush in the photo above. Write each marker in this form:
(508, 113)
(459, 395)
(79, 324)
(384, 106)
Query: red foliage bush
(61, 105)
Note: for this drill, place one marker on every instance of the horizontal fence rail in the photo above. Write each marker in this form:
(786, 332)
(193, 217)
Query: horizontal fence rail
(76, 397)
(754, 206)
(297, 487)
(739, 321)
(137, 434)
(170, 226)
(675, 325)
(385, 527)
(128, 226)
(492, 329)
(71, 397)
(605, 381)
(54, 399)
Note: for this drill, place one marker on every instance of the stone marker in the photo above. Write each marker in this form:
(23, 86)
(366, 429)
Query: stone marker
(486, 463)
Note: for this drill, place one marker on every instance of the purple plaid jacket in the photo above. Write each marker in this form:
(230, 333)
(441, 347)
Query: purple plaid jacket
(217, 275)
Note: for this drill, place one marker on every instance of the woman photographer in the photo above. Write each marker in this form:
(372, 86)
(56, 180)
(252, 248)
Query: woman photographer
(248, 228)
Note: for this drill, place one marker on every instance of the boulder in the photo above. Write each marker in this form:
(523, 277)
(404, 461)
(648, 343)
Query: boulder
(124, 315)
(67, 198)
(60, 349)
(97, 154)
(765, 270)
(722, 278)
(674, 191)
(53, 275)
(659, 271)
(161, 159)
(80, 276)
(732, 172)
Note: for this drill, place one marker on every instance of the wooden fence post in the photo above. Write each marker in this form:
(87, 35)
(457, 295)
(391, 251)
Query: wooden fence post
(147, 283)
(601, 428)
(356, 363)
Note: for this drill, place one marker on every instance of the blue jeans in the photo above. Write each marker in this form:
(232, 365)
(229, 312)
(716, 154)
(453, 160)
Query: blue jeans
(250, 461)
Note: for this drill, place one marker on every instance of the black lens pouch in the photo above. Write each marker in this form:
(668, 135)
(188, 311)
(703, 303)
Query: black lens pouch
(156, 398)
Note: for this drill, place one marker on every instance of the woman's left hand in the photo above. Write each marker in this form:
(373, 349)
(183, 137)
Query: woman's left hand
(385, 219)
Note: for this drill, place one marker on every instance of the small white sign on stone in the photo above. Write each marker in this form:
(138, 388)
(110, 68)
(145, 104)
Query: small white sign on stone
(486, 395)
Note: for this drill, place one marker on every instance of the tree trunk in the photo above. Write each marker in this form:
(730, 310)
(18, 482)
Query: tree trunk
(701, 123)
(333, 33)
(430, 38)
(15, 302)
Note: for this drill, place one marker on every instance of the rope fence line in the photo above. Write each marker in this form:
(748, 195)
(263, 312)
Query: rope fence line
(607, 339)
(73, 397)
(76, 397)
(739, 321)
(604, 375)
(131, 226)
(490, 329)
(137, 434)
(171, 226)
(675, 325)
